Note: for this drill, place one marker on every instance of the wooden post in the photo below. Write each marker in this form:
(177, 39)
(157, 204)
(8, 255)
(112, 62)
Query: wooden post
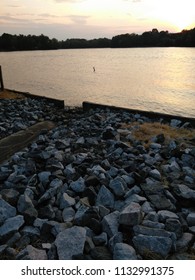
(1, 79)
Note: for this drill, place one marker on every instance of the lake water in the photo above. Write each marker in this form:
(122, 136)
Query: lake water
(152, 79)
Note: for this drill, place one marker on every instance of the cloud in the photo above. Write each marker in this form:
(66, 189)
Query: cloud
(10, 19)
(81, 20)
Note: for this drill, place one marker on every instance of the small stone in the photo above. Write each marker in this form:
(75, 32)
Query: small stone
(124, 251)
(155, 174)
(11, 225)
(131, 215)
(70, 242)
(105, 198)
(191, 219)
(6, 211)
(118, 186)
(31, 253)
(66, 201)
(152, 247)
(78, 186)
(68, 214)
(165, 214)
(101, 239)
(110, 223)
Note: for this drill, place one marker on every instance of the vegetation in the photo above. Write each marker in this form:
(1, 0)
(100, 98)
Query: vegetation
(153, 38)
(146, 131)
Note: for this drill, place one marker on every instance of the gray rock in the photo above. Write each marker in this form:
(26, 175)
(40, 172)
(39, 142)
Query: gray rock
(101, 239)
(131, 215)
(70, 242)
(110, 223)
(146, 207)
(26, 207)
(135, 198)
(44, 177)
(152, 247)
(118, 186)
(49, 194)
(101, 253)
(124, 251)
(11, 225)
(165, 214)
(143, 230)
(175, 123)
(151, 224)
(6, 211)
(32, 253)
(78, 186)
(175, 226)
(184, 242)
(10, 196)
(66, 201)
(56, 183)
(191, 219)
(79, 214)
(68, 214)
(184, 192)
(154, 173)
(105, 198)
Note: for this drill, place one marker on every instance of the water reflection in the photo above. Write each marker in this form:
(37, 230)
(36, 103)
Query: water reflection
(154, 79)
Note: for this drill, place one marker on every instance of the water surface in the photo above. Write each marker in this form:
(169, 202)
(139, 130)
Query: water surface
(152, 79)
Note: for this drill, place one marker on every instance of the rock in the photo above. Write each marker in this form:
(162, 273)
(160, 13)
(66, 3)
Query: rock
(165, 214)
(66, 201)
(175, 226)
(78, 186)
(101, 239)
(155, 174)
(118, 186)
(155, 192)
(183, 243)
(6, 211)
(175, 123)
(70, 242)
(68, 214)
(105, 198)
(100, 253)
(151, 224)
(110, 224)
(10, 226)
(26, 208)
(124, 251)
(184, 192)
(152, 247)
(10, 196)
(56, 183)
(44, 177)
(191, 219)
(131, 215)
(31, 253)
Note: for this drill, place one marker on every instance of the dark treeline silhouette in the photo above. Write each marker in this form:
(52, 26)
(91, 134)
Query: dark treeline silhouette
(153, 38)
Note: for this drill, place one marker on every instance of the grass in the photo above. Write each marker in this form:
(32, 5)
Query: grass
(6, 94)
(146, 131)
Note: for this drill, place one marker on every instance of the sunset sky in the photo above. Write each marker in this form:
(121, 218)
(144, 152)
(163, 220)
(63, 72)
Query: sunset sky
(90, 19)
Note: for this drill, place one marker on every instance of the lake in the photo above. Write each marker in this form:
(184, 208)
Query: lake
(153, 79)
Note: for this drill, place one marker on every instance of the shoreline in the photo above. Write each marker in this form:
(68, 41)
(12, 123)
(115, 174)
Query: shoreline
(87, 105)
(119, 181)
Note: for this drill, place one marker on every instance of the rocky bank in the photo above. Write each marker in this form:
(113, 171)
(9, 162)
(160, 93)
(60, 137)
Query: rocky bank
(92, 189)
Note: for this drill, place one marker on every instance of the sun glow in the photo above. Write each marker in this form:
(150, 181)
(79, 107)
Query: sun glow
(180, 15)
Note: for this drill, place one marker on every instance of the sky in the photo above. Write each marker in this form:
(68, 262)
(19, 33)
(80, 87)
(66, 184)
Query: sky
(89, 19)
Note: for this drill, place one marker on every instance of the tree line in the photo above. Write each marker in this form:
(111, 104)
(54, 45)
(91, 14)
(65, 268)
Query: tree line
(153, 38)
